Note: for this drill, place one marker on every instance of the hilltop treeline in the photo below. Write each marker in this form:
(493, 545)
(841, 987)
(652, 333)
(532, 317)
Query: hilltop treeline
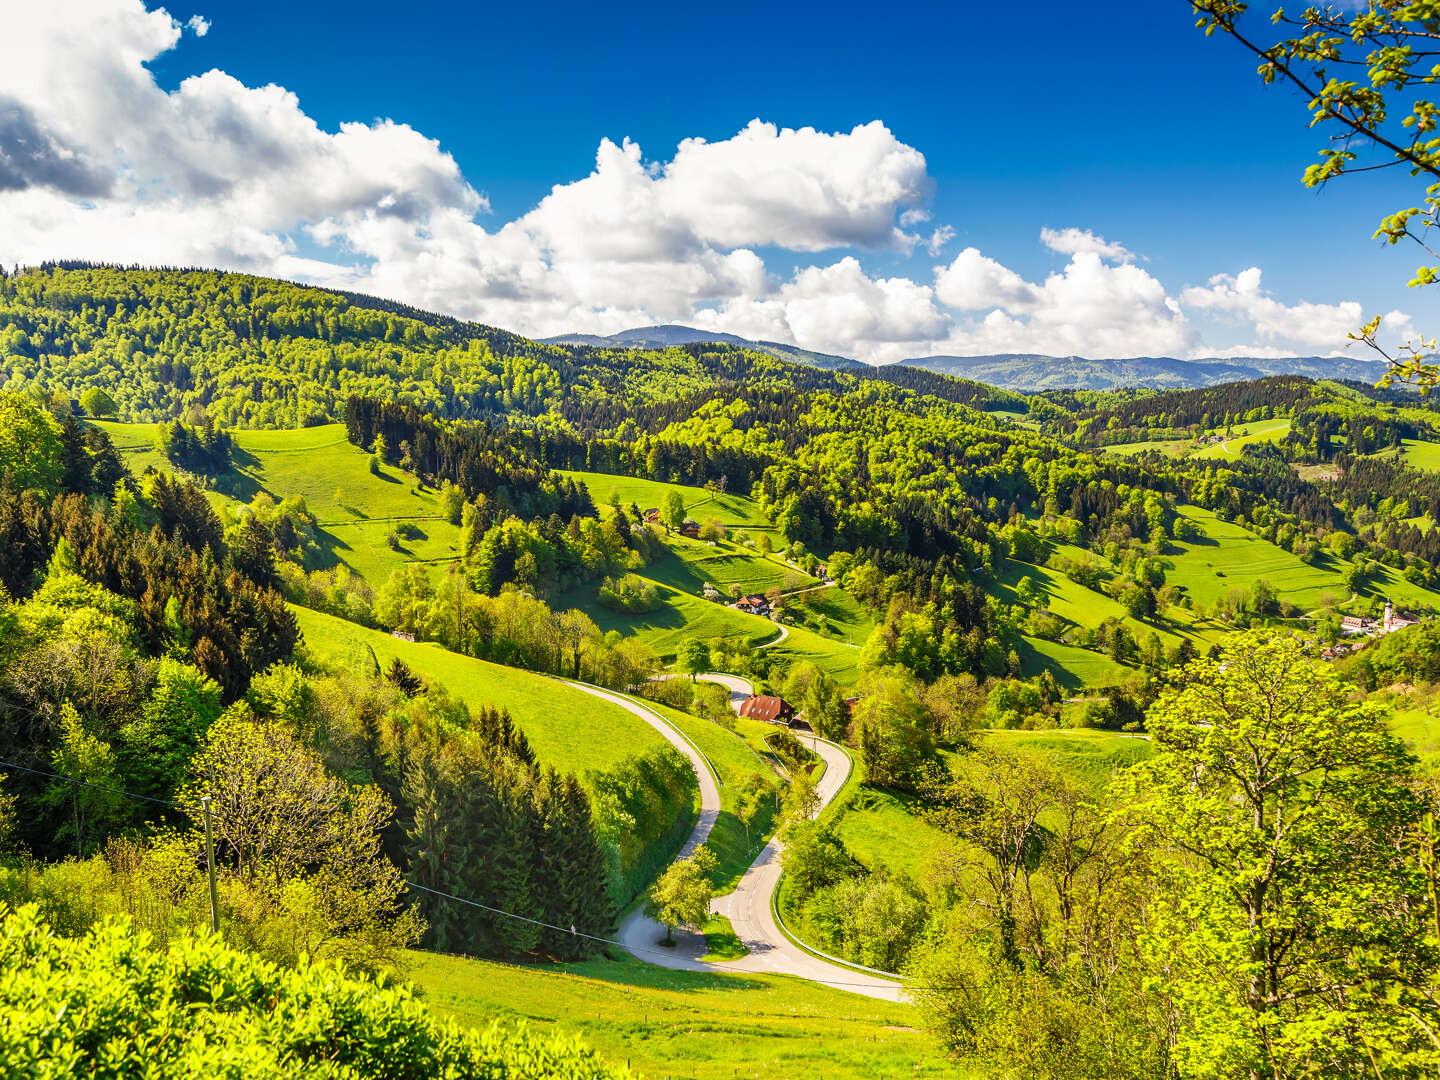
(480, 459)
(1107, 418)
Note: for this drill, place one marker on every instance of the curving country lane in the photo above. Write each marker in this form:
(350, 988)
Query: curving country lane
(749, 908)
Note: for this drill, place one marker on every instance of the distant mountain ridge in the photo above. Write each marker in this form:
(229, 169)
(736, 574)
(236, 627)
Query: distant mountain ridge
(1019, 371)
(663, 337)
(1029, 372)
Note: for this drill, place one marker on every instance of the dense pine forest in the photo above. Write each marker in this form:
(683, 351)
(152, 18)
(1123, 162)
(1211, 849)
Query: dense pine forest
(263, 542)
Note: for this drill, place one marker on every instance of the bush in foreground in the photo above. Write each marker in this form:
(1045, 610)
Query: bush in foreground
(107, 1005)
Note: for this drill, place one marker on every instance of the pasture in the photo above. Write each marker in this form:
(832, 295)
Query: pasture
(567, 728)
(1421, 455)
(683, 1024)
(1229, 557)
(355, 509)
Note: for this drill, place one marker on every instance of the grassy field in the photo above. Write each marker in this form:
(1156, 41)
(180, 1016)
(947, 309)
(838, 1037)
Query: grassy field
(1089, 756)
(1072, 666)
(882, 830)
(736, 511)
(1072, 601)
(1234, 445)
(1422, 455)
(688, 564)
(683, 615)
(843, 615)
(355, 508)
(1229, 448)
(1419, 725)
(680, 1024)
(1229, 557)
(838, 659)
(568, 729)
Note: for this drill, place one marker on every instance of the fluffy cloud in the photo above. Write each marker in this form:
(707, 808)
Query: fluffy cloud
(97, 161)
(1320, 326)
(1074, 241)
(1090, 307)
(838, 308)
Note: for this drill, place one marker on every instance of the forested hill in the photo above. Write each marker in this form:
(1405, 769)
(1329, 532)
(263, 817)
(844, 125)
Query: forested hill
(255, 352)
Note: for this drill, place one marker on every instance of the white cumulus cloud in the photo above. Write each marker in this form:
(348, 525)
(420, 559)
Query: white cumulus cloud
(1073, 241)
(1241, 296)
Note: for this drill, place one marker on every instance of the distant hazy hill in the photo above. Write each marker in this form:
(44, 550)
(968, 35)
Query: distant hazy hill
(1030, 372)
(660, 337)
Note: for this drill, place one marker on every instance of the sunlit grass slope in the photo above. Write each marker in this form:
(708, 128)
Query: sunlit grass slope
(1228, 557)
(1422, 455)
(736, 511)
(681, 1024)
(1090, 756)
(355, 508)
(568, 728)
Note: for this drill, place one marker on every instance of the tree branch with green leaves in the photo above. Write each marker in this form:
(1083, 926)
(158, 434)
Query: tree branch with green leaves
(1354, 68)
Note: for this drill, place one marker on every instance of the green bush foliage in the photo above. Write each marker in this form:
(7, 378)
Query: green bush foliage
(109, 1005)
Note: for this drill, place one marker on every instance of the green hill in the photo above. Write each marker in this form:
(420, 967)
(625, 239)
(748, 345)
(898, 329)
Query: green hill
(568, 728)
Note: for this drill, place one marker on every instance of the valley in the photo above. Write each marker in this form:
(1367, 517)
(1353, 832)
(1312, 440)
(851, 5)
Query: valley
(735, 715)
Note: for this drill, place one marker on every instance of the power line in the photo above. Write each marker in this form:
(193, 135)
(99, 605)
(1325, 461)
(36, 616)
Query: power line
(98, 787)
(570, 931)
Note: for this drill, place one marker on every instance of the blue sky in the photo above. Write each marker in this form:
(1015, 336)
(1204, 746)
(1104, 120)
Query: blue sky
(1131, 127)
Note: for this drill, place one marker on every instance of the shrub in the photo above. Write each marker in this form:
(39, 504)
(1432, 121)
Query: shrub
(631, 594)
(111, 1003)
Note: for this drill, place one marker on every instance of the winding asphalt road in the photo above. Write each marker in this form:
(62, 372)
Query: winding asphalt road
(749, 907)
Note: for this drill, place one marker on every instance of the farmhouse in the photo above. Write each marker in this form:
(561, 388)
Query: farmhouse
(690, 528)
(772, 710)
(652, 516)
(754, 604)
(403, 635)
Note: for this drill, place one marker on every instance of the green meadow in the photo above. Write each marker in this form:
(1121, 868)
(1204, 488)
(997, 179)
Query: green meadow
(1073, 601)
(682, 615)
(1233, 445)
(736, 511)
(568, 728)
(1229, 447)
(356, 510)
(1421, 455)
(685, 1024)
(1229, 557)
(1088, 755)
(1072, 666)
(883, 830)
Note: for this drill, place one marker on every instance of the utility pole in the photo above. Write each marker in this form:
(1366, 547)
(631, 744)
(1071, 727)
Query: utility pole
(210, 866)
